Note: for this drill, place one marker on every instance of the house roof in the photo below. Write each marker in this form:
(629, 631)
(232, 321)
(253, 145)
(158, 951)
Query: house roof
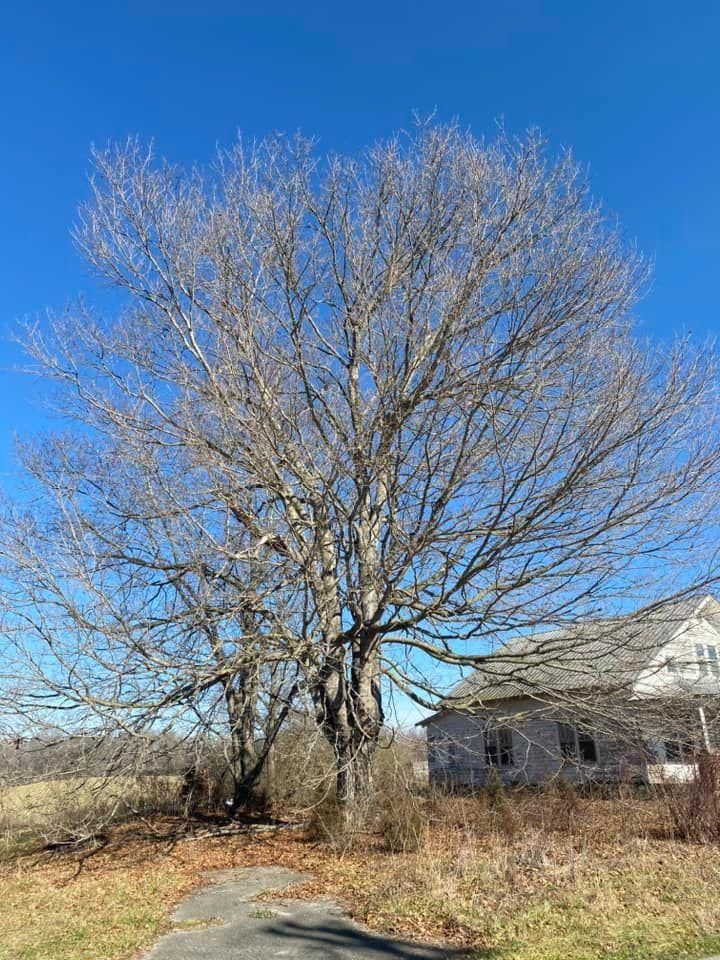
(603, 655)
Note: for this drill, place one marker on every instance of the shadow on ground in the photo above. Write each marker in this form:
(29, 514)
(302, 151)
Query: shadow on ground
(340, 939)
(224, 921)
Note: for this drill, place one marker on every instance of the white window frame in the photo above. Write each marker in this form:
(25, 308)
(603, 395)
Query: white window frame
(707, 659)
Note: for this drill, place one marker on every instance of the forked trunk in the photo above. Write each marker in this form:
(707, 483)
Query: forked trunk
(245, 769)
(352, 720)
(249, 755)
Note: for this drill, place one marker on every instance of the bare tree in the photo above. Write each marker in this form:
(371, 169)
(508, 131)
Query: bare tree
(412, 379)
(121, 618)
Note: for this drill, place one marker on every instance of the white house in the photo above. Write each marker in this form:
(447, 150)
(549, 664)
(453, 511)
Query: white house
(631, 697)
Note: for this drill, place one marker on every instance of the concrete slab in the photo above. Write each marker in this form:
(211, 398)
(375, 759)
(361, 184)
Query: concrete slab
(223, 921)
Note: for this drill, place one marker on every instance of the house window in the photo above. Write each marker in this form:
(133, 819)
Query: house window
(712, 659)
(677, 751)
(567, 741)
(586, 747)
(707, 657)
(576, 744)
(499, 747)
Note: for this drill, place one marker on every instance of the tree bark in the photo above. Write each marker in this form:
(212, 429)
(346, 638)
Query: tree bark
(351, 717)
(247, 759)
(242, 755)
(354, 775)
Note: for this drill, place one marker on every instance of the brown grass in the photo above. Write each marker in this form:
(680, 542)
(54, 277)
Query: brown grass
(524, 878)
(78, 807)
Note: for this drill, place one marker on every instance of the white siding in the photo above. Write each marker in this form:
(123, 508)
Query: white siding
(456, 753)
(656, 679)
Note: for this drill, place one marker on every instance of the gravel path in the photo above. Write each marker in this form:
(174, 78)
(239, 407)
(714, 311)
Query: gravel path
(223, 921)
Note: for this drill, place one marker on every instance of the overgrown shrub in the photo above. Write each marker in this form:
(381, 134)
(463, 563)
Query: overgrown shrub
(694, 807)
(72, 811)
(339, 828)
(567, 792)
(494, 790)
(300, 772)
(403, 821)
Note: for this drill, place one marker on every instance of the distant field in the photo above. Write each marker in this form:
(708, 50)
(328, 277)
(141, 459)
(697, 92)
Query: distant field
(43, 805)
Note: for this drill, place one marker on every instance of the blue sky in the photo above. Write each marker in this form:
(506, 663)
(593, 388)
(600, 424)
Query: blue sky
(632, 87)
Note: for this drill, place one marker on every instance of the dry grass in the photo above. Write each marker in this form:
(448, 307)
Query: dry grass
(51, 809)
(543, 877)
(32, 798)
(533, 895)
(523, 879)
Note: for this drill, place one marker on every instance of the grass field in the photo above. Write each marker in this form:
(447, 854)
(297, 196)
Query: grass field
(48, 807)
(528, 880)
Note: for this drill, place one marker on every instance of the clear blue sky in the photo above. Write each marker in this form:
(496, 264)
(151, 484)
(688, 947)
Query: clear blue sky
(631, 86)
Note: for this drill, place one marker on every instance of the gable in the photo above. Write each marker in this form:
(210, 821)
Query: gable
(685, 663)
(625, 654)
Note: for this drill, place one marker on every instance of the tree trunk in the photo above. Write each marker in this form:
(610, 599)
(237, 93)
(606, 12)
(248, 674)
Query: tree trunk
(351, 718)
(240, 698)
(354, 776)
(248, 760)
(246, 793)
(246, 770)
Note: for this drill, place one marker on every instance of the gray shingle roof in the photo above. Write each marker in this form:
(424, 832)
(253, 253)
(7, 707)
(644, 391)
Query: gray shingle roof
(602, 655)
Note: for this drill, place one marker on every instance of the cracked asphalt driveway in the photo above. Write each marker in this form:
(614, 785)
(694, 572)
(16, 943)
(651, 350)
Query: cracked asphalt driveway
(223, 921)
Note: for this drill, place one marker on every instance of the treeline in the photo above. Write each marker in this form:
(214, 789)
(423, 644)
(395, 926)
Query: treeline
(61, 757)
(299, 771)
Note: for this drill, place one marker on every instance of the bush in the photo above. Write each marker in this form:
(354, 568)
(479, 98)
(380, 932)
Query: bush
(403, 822)
(694, 807)
(300, 772)
(337, 827)
(568, 793)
